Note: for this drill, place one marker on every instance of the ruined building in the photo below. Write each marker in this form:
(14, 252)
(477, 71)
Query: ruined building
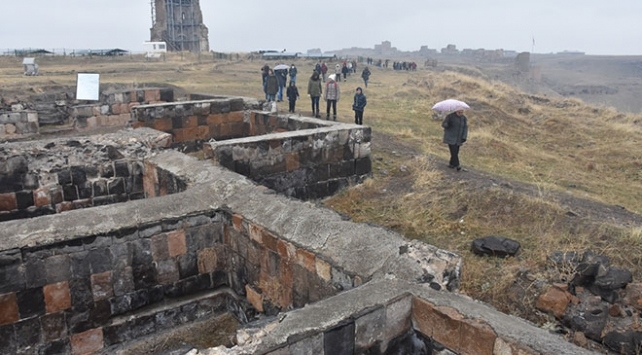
(179, 23)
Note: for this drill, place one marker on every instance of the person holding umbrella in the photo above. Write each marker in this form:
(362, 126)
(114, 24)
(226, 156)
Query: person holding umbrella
(455, 134)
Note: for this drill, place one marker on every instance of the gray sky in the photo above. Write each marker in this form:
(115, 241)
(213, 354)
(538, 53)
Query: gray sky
(596, 27)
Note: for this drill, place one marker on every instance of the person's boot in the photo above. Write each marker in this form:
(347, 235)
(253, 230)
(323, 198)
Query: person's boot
(334, 117)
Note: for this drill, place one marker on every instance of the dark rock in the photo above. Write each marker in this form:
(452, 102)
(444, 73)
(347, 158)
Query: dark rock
(613, 279)
(339, 340)
(589, 316)
(31, 302)
(495, 246)
(624, 342)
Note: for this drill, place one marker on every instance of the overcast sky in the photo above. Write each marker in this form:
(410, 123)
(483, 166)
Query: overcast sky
(598, 27)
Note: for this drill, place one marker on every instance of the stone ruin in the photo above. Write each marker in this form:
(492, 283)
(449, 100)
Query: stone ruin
(129, 239)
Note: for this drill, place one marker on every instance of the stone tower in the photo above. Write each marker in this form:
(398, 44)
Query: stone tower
(179, 23)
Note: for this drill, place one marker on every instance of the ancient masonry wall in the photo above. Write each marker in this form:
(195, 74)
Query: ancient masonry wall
(18, 124)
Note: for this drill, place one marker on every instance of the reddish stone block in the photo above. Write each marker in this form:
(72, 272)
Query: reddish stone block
(131, 105)
(138, 124)
(237, 222)
(176, 243)
(57, 297)
(160, 248)
(477, 337)
(207, 260)
(163, 124)
(116, 109)
(9, 312)
(254, 297)
(213, 130)
(422, 316)
(64, 206)
(8, 202)
(256, 233)
(286, 251)
(150, 180)
(269, 240)
(292, 161)
(202, 132)
(189, 122)
(215, 119)
(447, 327)
(41, 197)
(236, 116)
(101, 286)
(179, 135)
(306, 259)
(87, 342)
(274, 143)
(152, 95)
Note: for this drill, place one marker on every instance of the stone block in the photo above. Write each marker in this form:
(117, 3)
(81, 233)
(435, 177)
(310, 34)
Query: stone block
(166, 271)
(87, 342)
(9, 312)
(81, 295)
(31, 302)
(24, 199)
(398, 318)
(443, 324)
(8, 202)
(306, 259)
(189, 122)
(36, 273)
(116, 186)
(57, 268)
(28, 333)
(477, 337)
(340, 340)
(254, 297)
(8, 336)
(70, 192)
(370, 328)
(323, 269)
(163, 124)
(176, 243)
(152, 95)
(57, 297)
(54, 326)
(123, 280)
(10, 129)
(207, 260)
(311, 345)
(160, 249)
(101, 286)
(62, 346)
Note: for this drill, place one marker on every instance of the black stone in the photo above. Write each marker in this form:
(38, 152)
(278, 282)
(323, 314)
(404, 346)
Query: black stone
(36, 273)
(99, 260)
(104, 200)
(64, 177)
(24, 199)
(141, 252)
(116, 334)
(56, 347)
(187, 265)
(85, 190)
(54, 326)
(80, 264)
(339, 340)
(363, 166)
(139, 299)
(31, 302)
(28, 332)
(56, 195)
(177, 122)
(121, 168)
(615, 278)
(10, 183)
(100, 188)
(495, 246)
(219, 279)
(116, 186)
(8, 336)
(78, 175)
(144, 276)
(82, 298)
(70, 192)
(167, 95)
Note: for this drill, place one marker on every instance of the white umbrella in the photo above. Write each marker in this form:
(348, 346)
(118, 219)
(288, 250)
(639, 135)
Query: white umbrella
(281, 66)
(450, 105)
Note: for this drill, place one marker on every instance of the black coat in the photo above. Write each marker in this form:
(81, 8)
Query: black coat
(455, 129)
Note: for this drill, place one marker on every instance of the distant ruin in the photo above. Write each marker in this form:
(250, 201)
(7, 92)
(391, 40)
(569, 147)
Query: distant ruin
(179, 23)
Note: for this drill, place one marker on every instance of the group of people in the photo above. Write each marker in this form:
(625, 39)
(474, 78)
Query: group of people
(274, 82)
(455, 124)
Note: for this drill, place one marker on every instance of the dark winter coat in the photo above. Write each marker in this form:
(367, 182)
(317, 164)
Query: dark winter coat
(365, 74)
(292, 93)
(314, 86)
(293, 71)
(360, 102)
(272, 85)
(455, 129)
(281, 76)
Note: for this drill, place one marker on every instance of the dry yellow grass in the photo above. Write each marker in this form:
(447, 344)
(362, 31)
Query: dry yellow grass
(556, 145)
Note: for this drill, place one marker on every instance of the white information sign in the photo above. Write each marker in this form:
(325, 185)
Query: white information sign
(88, 87)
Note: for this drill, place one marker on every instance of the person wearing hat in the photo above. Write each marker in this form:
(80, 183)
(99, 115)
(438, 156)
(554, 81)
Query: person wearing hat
(455, 134)
(358, 105)
(331, 95)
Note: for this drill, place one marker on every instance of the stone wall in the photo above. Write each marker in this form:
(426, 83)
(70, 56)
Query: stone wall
(18, 124)
(114, 108)
(48, 177)
(308, 159)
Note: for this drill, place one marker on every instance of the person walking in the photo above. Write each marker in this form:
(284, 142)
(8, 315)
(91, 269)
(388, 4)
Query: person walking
(265, 71)
(331, 95)
(337, 72)
(358, 105)
(282, 79)
(292, 94)
(365, 74)
(324, 71)
(271, 86)
(293, 70)
(455, 134)
(345, 72)
(315, 90)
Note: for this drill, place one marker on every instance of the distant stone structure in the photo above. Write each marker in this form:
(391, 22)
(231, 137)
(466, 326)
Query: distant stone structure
(180, 25)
